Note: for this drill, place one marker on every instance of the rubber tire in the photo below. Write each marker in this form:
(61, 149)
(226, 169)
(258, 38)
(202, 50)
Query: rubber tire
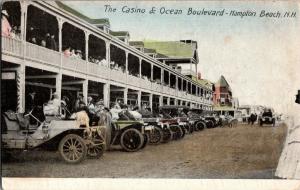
(159, 132)
(140, 136)
(146, 141)
(79, 139)
(200, 125)
(167, 135)
(183, 132)
(210, 125)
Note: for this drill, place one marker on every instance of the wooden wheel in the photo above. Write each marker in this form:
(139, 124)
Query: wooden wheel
(72, 149)
(156, 136)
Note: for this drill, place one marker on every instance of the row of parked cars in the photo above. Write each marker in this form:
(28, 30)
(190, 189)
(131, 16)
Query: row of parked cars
(75, 139)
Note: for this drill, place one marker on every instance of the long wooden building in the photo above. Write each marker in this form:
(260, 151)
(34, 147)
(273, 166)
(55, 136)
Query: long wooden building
(107, 66)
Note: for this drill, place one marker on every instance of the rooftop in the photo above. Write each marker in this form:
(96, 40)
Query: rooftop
(119, 33)
(222, 82)
(174, 49)
(100, 21)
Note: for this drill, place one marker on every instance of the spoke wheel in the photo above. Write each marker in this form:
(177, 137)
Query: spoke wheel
(97, 146)
(72, 149)
(132, 140)
(156, 136)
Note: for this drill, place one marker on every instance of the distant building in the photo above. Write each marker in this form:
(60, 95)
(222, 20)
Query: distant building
(222, 97)
(223, 94)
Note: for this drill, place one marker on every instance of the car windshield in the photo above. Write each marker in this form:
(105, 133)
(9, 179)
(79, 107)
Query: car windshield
(267, 113)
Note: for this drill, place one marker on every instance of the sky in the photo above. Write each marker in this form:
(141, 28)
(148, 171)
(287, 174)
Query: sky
(258, 56)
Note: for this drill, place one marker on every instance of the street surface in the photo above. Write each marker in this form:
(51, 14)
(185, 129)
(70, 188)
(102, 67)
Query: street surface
(241, 152)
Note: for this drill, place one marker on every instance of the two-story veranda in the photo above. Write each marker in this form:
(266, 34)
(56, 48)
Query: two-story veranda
(139, 78)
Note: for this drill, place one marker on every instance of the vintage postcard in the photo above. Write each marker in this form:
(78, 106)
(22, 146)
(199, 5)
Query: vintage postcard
(150, 94)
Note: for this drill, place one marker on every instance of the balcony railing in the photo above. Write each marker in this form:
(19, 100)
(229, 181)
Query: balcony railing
(42, 54)
(117, 75)
(12, 46)
(146, 84)
(98, 70)
(133, 80)
(75, 64)
(157, 87)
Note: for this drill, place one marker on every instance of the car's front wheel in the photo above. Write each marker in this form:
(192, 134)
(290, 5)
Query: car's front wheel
(72, 149)
(132, 140)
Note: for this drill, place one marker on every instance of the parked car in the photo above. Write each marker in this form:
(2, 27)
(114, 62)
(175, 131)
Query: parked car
(129, 132)
(212, 119)
(196, 119)
(161, 131)
(73, 139)
(267, 117)
(180, 114)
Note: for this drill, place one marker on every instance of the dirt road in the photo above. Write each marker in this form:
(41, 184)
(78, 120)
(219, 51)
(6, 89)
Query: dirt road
(241, 152)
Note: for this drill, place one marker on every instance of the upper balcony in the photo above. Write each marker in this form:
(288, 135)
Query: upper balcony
(14, 48)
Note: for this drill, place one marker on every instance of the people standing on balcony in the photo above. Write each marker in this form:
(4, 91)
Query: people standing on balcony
(78, 54)
(53, 44)
(33, 40)
(43, 43)
(67, 52)
(30, 34)
(6, 28)
(48, 41)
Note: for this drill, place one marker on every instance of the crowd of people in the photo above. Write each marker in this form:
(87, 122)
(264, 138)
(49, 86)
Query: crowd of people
(73, 53)
(116, 66)
(98, 60)
(48, 40)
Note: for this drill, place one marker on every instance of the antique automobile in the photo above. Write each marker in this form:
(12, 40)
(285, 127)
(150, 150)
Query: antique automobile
(73, 139)
(267, 117)
(161, 131)
(179, 113)
(211, 119)
(196, 119)
(127, 131)
(228, 121)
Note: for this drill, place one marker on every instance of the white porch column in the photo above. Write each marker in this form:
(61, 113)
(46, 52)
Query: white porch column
(23, 19)
(125, 95)
(86, 45)
(162, 76)
(21, 88)
(151, 77)
(151, 101)
(106, 94)
(60, 24)
(85, 90)
(126, 62)
(176, 102)
(140, 68)
(107, 46)
(139, 99)
(161, 100)
(168, 100)
(58, 84)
